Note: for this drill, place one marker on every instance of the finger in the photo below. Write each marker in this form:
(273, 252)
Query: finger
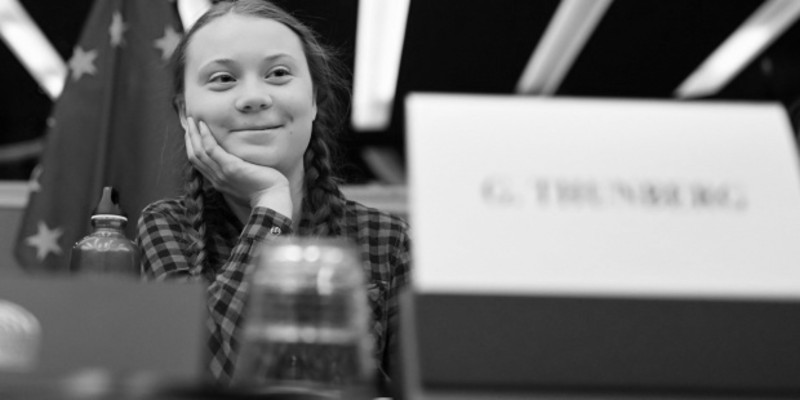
(191, 143)
(194, 160)
(221, 163)
(197, 157)
(194, 136)
(216, 153)
(191, 152)
(207, 140)
(198, 147)
(188, 143)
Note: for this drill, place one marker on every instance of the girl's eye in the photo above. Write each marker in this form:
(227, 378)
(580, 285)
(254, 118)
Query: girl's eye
(221, 78)
(279, 75)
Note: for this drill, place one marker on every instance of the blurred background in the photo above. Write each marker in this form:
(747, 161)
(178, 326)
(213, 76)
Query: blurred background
(681, 50)
(621, 48)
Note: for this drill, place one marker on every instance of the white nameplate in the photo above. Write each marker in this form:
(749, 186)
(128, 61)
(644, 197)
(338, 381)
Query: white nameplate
(601, 197)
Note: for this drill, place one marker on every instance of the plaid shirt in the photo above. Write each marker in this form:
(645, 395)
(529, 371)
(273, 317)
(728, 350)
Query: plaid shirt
(164, 242)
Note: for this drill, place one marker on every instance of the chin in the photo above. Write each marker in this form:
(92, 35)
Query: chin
(254, 156)
(260, 161)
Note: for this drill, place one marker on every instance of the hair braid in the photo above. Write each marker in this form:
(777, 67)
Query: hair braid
(195, 207)
(323, 201)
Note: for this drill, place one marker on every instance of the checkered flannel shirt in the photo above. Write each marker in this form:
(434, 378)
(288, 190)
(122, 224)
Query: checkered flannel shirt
(164, 242)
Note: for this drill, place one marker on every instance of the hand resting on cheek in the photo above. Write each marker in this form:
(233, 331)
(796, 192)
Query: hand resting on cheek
(256, 184)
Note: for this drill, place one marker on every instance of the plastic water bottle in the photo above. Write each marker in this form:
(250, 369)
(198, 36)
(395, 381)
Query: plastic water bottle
(307, 320)
(106, 249)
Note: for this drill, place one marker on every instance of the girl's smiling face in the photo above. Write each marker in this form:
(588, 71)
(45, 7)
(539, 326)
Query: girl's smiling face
(248, 79)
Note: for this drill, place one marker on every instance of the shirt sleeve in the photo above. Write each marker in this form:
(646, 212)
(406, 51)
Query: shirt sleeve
(401, 274)
(165, 255)
(163, 247)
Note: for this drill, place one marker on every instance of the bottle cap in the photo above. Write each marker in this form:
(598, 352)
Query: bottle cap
(108, 206)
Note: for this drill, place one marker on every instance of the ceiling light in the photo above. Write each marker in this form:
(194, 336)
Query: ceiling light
(765, 25)
(571, 26)
(32, 48)
(191, 10)
(379, 44)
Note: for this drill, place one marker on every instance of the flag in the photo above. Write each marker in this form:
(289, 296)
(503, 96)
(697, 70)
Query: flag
(113, 125)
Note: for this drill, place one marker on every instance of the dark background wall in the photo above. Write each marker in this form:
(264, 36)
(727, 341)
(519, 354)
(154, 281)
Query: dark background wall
(641, 49)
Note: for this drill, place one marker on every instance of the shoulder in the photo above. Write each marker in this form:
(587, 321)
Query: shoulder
(363, 221)
(361, 214)
(165, 221)
(162, 214)
(384, 242)
(170, 206)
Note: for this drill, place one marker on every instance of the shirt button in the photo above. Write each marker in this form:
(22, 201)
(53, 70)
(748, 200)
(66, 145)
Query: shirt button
(275, 231)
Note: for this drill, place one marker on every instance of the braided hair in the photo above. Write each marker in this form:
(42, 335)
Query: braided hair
(323, 203)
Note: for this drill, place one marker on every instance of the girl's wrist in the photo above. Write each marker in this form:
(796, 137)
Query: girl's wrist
(276, 199)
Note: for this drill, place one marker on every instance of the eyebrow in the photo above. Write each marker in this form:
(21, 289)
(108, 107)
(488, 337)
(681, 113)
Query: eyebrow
(229, 61)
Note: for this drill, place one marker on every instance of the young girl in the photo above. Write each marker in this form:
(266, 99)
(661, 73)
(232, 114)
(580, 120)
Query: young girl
(257, 96)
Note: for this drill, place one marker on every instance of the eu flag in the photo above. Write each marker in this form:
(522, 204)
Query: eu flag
(113, 125)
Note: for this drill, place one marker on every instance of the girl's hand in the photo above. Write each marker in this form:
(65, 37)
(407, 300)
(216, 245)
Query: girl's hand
(245, 181)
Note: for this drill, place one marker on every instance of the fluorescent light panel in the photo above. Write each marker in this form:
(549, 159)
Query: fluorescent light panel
(571, 26)
(379, 44)
(765, 25)
(32, 48)
(191, 10)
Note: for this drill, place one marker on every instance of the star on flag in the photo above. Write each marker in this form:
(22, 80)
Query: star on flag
(167, 43)
(82, 62)
(45, 241)
(116, 29)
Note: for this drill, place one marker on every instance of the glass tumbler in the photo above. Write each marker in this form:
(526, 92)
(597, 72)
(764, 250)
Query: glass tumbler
(307, 319)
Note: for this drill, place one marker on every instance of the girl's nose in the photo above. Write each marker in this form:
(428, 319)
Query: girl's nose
(254, 100)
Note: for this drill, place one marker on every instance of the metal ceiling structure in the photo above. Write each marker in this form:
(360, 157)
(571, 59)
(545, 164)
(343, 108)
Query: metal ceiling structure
(641, 49)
